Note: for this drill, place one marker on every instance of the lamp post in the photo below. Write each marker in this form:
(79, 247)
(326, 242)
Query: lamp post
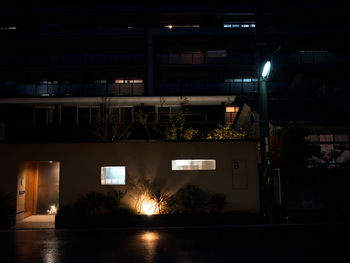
(264, 117)
(267, 193)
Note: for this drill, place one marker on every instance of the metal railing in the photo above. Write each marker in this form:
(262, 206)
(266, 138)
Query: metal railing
(118, 89)
(202, 58)
(206, 88)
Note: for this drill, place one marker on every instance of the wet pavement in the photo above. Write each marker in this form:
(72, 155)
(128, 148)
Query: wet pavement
(307, 243)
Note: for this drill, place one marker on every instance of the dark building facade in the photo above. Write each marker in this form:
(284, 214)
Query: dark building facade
(63, 67)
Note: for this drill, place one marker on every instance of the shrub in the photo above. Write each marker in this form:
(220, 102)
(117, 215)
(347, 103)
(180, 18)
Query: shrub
(6, 212)
(190, 133)
(191, 199)
(225, 133)
(216, 202)
(98, 204)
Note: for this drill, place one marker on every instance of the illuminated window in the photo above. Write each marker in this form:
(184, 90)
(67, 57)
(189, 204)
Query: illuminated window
(113, 175)
(232, 109)
(239, 25)
(6, 28)
(121, 81)
(230, 114)
(195, 164)
(181, 26)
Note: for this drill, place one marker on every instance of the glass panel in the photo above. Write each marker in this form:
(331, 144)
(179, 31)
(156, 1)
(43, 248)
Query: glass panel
(115, 116)
(312, 138)
(163, 114)
(126, 115)
(50, 115)
(195, 164)
(95, 115)
(113, 175)
(341, 137)
(40, 115)
(69, 115)
(83, 115)
(326, 138)
(186, 58)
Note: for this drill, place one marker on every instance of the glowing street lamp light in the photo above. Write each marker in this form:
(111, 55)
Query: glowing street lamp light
(266, 70)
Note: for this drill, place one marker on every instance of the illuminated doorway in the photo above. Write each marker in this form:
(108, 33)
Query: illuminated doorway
(38, 192)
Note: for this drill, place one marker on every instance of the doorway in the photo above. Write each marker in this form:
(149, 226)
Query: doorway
(38, 192)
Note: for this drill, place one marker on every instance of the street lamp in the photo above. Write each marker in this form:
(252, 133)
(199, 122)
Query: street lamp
(266, 70)
(264, 118)
(265, 138)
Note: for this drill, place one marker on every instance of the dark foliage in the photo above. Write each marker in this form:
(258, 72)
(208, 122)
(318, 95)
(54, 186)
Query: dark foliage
(216, 202)
(289, 147)
(96, 204)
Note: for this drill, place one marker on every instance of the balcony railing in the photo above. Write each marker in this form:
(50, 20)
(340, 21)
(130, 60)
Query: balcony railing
(75, 90)
(202, 58)
(205, 88)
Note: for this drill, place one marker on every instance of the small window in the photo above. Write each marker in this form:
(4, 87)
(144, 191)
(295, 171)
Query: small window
(113, 175)
(196, 164)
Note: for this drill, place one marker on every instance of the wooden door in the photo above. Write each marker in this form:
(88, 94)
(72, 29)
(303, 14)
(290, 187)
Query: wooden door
(31, 190)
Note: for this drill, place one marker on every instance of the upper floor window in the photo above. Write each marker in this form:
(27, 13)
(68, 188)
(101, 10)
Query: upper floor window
(44, 115)
(242, 80)
(8, 28)
(334, 148)
(100, 81)
(239, 24)
(122, 81)
(170, 26)
(48, 82)
(312, 56)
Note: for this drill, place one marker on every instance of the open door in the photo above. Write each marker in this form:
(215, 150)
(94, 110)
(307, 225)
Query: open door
(38, 189)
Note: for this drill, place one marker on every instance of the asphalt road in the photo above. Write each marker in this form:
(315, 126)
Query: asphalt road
(326, 243)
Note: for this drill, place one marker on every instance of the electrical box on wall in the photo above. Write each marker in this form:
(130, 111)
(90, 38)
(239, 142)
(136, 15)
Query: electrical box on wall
(2, 131)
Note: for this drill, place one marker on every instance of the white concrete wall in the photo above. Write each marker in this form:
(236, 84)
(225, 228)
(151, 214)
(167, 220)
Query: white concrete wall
(80, 167)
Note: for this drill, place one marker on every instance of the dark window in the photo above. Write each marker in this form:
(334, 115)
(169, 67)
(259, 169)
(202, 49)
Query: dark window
(126, 115)
(163, 114)
(95, 115)
(69, 115)
(83, 115)
(40, 115)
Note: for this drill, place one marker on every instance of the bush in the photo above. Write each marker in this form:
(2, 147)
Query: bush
(191, 199)
(216, 202)
(98, 204)
(6, 212)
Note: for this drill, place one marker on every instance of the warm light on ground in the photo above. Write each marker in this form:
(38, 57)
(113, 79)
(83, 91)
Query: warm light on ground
(150, 236)
(149, 207)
